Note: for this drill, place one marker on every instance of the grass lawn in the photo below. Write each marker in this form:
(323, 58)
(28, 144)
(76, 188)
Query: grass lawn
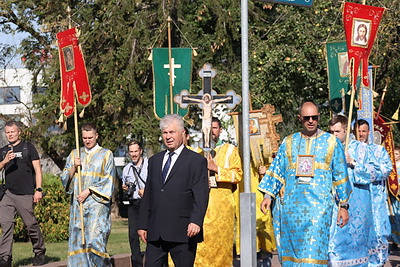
(117, 244)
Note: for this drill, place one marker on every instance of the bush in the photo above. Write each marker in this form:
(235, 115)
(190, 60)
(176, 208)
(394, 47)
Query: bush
(52, 212)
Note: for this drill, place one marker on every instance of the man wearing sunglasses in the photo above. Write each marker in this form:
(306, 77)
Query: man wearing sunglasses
(308, 165)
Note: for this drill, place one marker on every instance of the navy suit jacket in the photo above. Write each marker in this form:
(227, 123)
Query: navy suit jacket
(167, 208)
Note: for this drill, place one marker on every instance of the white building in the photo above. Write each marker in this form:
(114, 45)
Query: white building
(15, 95)
(15, 102)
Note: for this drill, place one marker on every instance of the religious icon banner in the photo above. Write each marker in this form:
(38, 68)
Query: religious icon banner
(361, 23)
(74, 78)
(180, 68)
(338, 74)
(383, 135)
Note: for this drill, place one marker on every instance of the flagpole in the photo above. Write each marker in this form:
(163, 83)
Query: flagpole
(353, 92)
(171, 97)
(77, 147)
(79, 169)
(382, 98)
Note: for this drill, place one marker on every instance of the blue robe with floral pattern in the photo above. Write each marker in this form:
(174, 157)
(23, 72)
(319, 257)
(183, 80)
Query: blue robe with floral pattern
(303, 215)
(97, 174)
(348, 245)
(379, 169)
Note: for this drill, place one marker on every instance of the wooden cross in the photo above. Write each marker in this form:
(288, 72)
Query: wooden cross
(206, 100)
(270, 120)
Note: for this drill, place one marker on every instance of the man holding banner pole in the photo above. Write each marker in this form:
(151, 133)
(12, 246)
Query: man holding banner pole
(378, 171)
(97, 175)
(347, 245)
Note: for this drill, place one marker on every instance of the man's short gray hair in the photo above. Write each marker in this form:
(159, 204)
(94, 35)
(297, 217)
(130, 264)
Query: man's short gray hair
(167, 120)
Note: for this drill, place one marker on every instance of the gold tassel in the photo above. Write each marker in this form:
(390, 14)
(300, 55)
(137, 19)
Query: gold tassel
(82, 113)
(61, 118)
(396, 114)
(65, 126)
(194, 52)
(151, 55)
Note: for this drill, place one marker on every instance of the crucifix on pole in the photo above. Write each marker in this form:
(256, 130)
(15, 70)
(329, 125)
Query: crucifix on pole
(206, 100)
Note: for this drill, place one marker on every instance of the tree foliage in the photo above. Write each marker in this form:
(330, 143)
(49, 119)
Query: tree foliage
(286, 53)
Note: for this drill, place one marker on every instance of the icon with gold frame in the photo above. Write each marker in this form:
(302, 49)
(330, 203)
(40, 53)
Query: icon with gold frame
(305, 165)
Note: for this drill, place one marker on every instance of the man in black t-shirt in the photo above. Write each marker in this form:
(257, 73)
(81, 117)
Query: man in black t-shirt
(23, 178)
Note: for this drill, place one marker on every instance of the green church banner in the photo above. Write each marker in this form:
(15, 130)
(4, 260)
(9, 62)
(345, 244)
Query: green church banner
(180, 68)
(306, 3)
(338, 74)
(338, 77)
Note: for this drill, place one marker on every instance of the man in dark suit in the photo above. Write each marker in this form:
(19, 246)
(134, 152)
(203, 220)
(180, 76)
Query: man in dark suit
(175, 199)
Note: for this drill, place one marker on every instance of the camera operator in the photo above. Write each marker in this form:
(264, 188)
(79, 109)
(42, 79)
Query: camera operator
(134, 178)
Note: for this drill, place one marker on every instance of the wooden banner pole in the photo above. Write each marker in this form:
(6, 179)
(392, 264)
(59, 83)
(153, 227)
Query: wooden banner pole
(79, 170)
(77, 146)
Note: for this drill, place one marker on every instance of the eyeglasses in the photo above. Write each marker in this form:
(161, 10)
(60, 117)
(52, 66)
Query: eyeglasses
(313, 117)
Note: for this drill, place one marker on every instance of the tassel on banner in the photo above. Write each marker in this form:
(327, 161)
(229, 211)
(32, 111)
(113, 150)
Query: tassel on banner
(194, 53)
(82, 113)
(151, 55)
(61, 118)
(396, 114)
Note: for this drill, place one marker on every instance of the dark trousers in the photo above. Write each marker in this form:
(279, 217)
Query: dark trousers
(133, 220)
(10, 205)
(182, 254)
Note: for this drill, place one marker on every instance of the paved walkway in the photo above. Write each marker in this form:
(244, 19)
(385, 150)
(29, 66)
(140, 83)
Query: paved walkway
(394, 260)
(123, 260)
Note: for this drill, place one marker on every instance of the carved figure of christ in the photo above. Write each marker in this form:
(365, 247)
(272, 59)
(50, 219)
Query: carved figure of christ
(207, 105)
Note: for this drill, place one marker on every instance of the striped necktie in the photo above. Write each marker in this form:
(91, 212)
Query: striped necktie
(167, 166)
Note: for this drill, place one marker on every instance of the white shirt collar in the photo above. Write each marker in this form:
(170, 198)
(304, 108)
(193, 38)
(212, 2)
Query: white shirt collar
(92, 149)
(177, 151)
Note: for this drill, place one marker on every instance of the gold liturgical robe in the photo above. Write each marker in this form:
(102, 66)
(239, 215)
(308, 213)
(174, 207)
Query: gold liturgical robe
(218, 227)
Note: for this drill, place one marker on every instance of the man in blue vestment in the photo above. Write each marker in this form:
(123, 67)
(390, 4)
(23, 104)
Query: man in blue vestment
(377, 170)
(301, 179)
(348, 244)
(97, 174)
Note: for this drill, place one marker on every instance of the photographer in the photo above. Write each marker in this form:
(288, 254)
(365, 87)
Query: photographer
(134, 178)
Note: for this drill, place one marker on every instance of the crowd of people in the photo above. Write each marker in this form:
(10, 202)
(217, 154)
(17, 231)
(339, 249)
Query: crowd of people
(338, 216)
(181, 201)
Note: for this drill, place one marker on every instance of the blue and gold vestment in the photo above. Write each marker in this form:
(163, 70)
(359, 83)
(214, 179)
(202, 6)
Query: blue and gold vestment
(97, 174)
(379, 168)
(348, 246)
(302, 216)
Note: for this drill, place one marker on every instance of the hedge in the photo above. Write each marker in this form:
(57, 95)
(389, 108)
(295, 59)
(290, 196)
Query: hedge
(52, 212)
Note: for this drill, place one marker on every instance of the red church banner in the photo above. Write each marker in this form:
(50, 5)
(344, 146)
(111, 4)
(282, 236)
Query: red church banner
(74, 78)
(361, 23)
(383, 135)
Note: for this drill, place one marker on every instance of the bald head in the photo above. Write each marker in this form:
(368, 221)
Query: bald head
(309, 117)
